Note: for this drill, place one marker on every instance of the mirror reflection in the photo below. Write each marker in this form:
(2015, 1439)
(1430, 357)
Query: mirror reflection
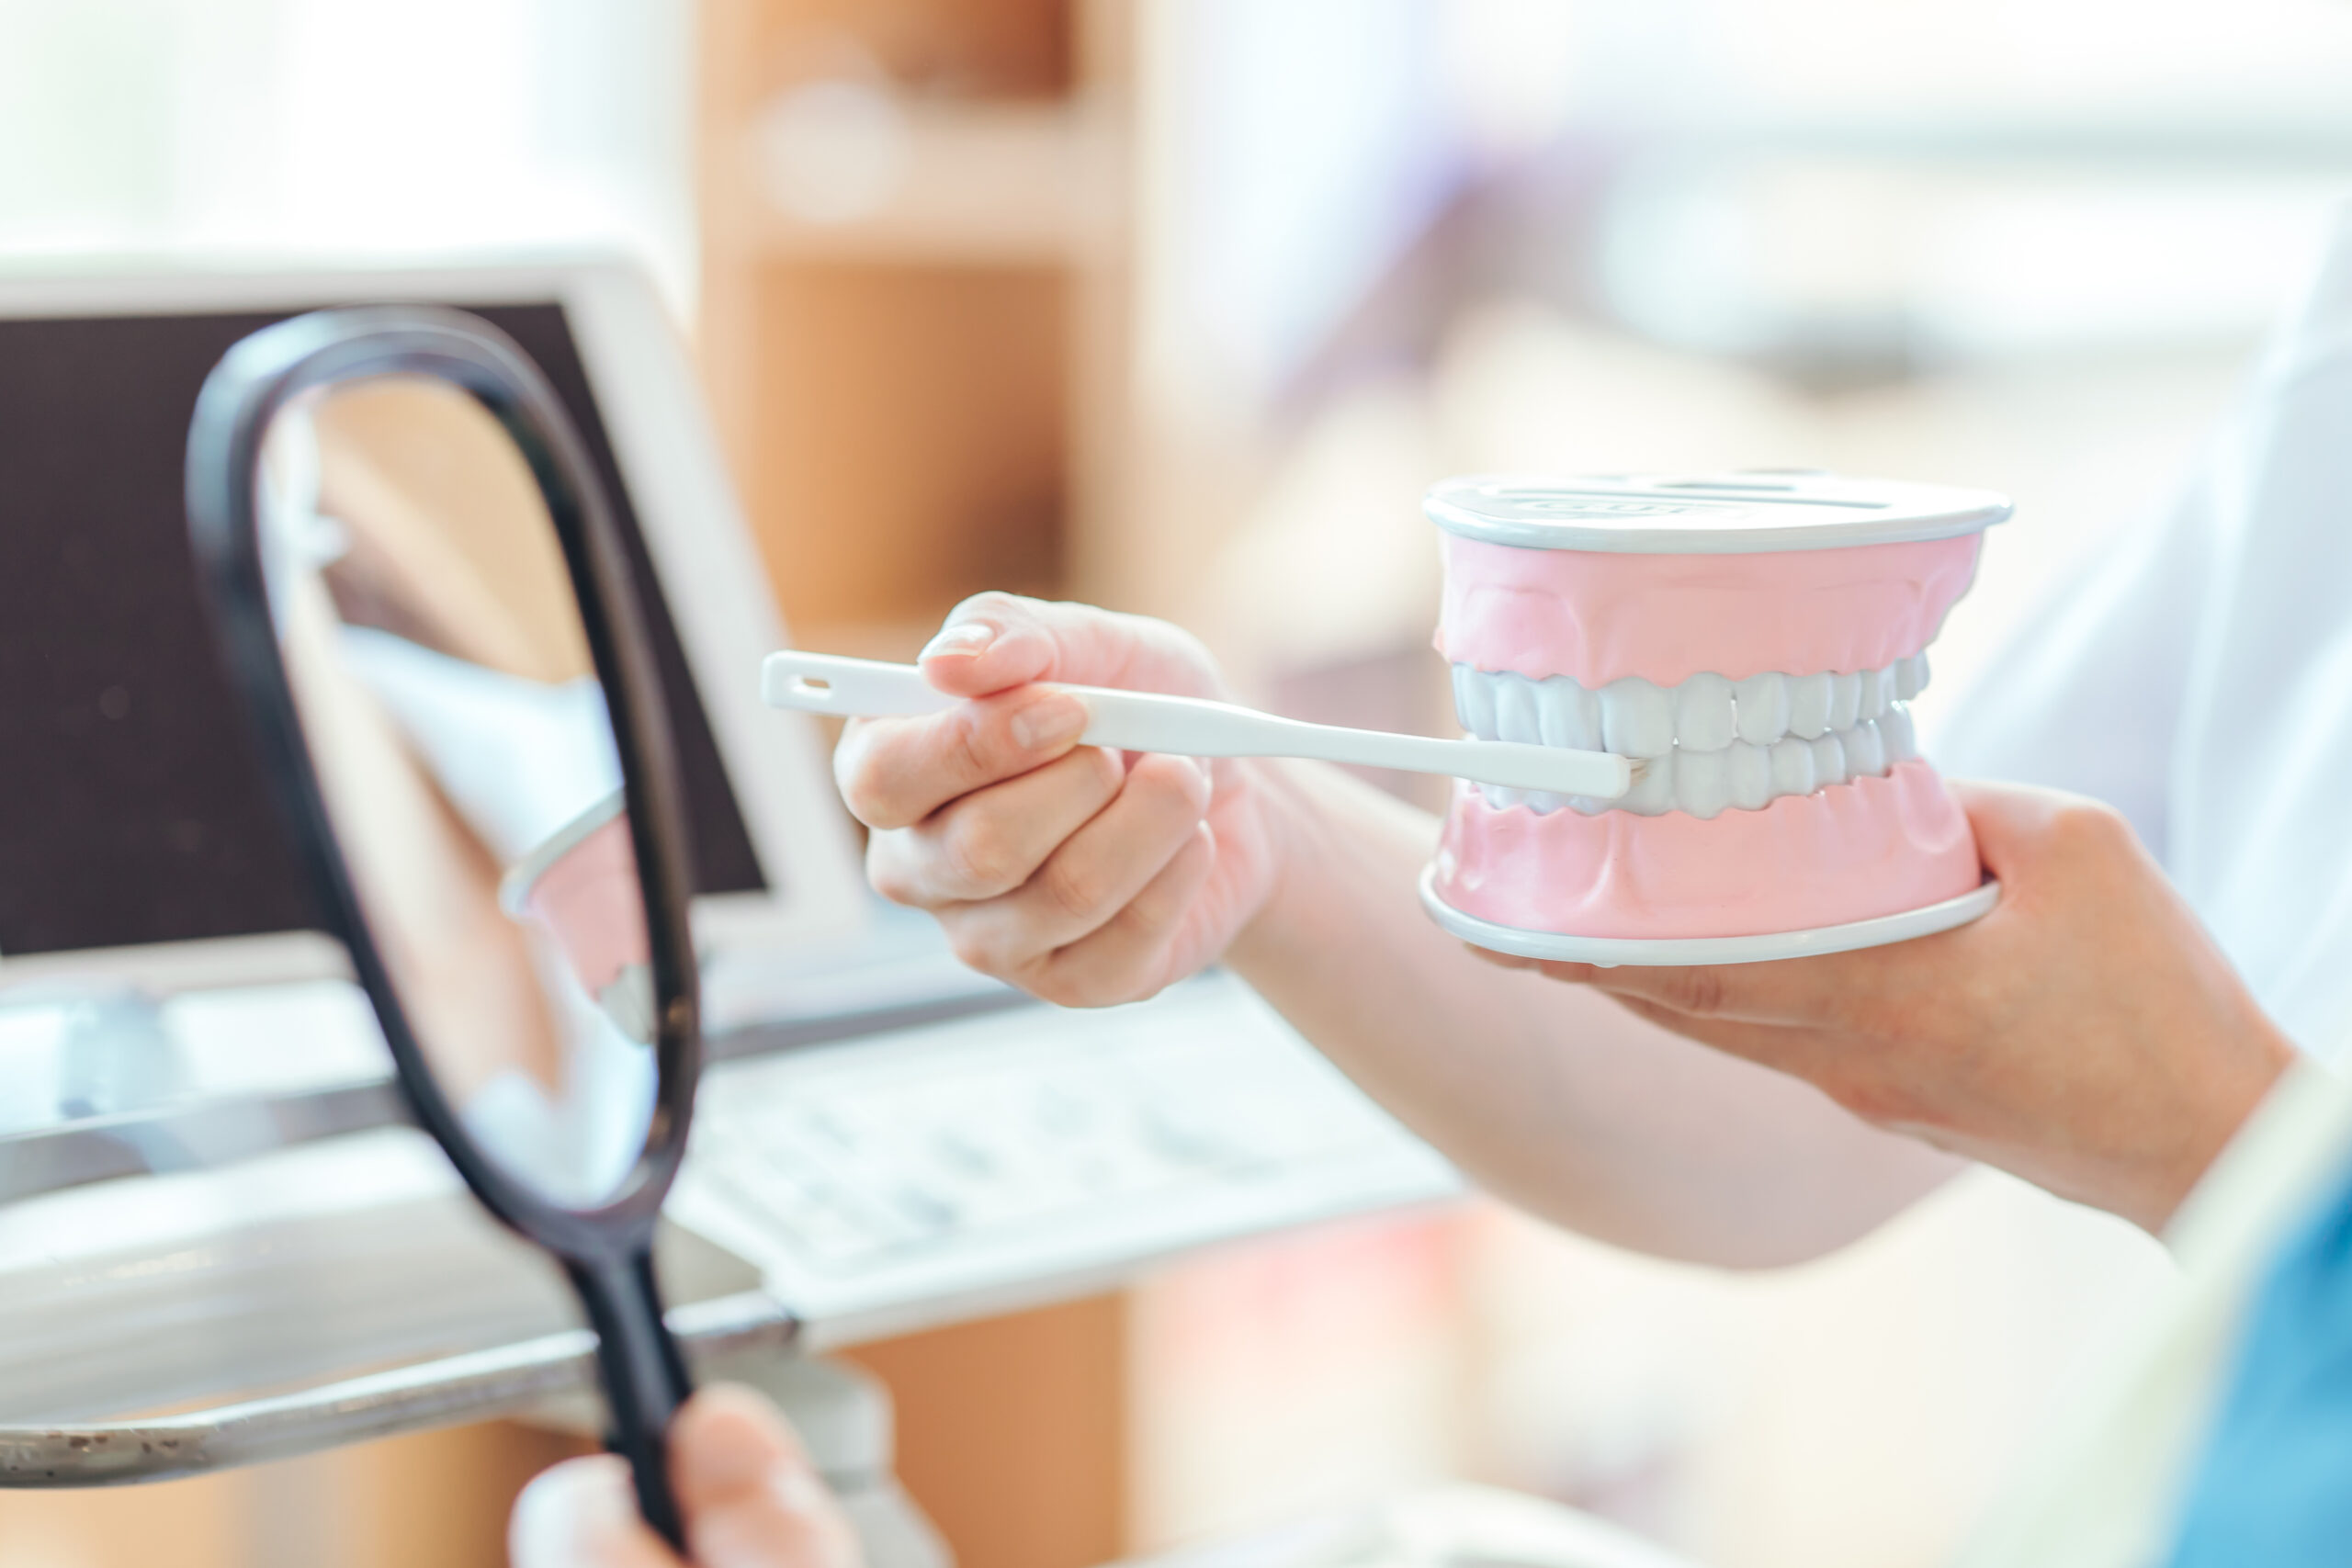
(443, 677)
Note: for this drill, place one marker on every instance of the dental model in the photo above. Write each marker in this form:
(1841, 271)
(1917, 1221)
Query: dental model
(1751, 640)
(580, 886)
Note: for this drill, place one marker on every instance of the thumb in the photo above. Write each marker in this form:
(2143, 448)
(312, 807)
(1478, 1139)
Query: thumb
(2013, 823)
(749, 1492)
(996, 641)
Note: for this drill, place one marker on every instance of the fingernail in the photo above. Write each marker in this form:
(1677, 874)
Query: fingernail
(963, 640)
(1049, 722)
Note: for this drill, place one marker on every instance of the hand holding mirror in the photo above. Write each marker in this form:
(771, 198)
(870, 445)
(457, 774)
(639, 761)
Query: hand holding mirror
(422, 595)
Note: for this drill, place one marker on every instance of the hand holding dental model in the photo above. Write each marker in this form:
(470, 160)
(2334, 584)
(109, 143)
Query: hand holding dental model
(2084, 1034)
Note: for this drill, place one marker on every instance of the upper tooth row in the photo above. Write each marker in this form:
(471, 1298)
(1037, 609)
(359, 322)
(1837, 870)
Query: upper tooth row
(1634, 717)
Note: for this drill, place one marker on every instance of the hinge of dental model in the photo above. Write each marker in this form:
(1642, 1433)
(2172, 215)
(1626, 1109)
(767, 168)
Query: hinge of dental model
(1190, 727)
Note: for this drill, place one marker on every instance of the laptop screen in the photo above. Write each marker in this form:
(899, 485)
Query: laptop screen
(131, 809)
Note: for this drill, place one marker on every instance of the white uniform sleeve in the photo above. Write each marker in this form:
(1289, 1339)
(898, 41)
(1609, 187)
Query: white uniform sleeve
(2088, 697)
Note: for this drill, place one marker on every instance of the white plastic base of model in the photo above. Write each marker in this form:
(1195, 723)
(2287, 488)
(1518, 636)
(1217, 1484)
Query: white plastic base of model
(1609, 951)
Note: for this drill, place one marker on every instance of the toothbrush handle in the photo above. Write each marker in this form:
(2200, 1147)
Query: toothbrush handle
(848, 688)
(1193, 726)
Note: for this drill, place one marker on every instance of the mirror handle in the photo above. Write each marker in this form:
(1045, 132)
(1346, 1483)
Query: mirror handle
(645, 1378)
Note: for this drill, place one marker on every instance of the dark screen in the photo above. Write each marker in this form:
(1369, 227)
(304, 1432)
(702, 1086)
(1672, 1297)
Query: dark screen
(131, 808)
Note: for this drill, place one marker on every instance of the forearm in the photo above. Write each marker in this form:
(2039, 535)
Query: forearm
(1549, 1096)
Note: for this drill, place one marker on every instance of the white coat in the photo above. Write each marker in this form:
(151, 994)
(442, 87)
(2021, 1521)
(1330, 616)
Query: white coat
(2199, 678)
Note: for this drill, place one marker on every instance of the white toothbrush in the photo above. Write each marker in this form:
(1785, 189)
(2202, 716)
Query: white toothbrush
(1189, 726)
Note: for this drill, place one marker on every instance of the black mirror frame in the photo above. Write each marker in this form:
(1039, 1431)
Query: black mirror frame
(606, 1249)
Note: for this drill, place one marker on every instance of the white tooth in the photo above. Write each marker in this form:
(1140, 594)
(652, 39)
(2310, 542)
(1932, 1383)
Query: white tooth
(1571, 714)
(1763, 707)
(1701, 781)
(1653, 793)
(1808, 706)
(1474, 701)
(1902, 741)
(1544, 804)
(1703, 716)
(1515, 715)
(1845, 700)
(1751, 775)
(1588, 805)
(1502, 797)
(1865, 749)
(1829, 761)
(1878, 686)
(1792, 766)
(1911, 675)
(1636, 719)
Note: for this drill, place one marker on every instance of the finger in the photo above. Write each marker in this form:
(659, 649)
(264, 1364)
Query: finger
(1094, 874)
(748, 1492)
(2022, 832)
(993, 839)
(893, 773)
(2005, 818)
(1501, 960)
(996, 641)
(1137, 951)
(582, 1514)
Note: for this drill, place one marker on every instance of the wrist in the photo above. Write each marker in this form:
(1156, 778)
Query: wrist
(1295, 826)
(2227, 1104)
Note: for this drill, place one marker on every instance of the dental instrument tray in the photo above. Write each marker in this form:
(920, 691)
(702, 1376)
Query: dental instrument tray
(1752, 641)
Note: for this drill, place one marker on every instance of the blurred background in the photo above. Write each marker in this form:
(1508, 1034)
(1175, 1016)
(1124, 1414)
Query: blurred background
(1177, 305)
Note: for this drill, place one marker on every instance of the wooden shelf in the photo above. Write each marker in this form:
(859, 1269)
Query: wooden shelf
(915, 367)
(985, 185)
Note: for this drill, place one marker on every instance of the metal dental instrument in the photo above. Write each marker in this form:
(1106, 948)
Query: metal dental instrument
(1190, 727)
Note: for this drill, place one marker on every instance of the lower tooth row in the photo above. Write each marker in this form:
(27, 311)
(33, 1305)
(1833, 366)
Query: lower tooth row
(1743, 775)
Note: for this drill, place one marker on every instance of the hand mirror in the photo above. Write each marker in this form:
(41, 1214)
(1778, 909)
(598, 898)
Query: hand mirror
(421, 592)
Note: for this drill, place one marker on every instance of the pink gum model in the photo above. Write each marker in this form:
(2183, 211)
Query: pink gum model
(1595, 617)
(1854, 850)
(590, 898)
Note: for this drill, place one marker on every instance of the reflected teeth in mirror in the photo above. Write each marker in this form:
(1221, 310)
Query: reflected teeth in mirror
(1808, 706)
(1715, 744)
(1763, 706)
